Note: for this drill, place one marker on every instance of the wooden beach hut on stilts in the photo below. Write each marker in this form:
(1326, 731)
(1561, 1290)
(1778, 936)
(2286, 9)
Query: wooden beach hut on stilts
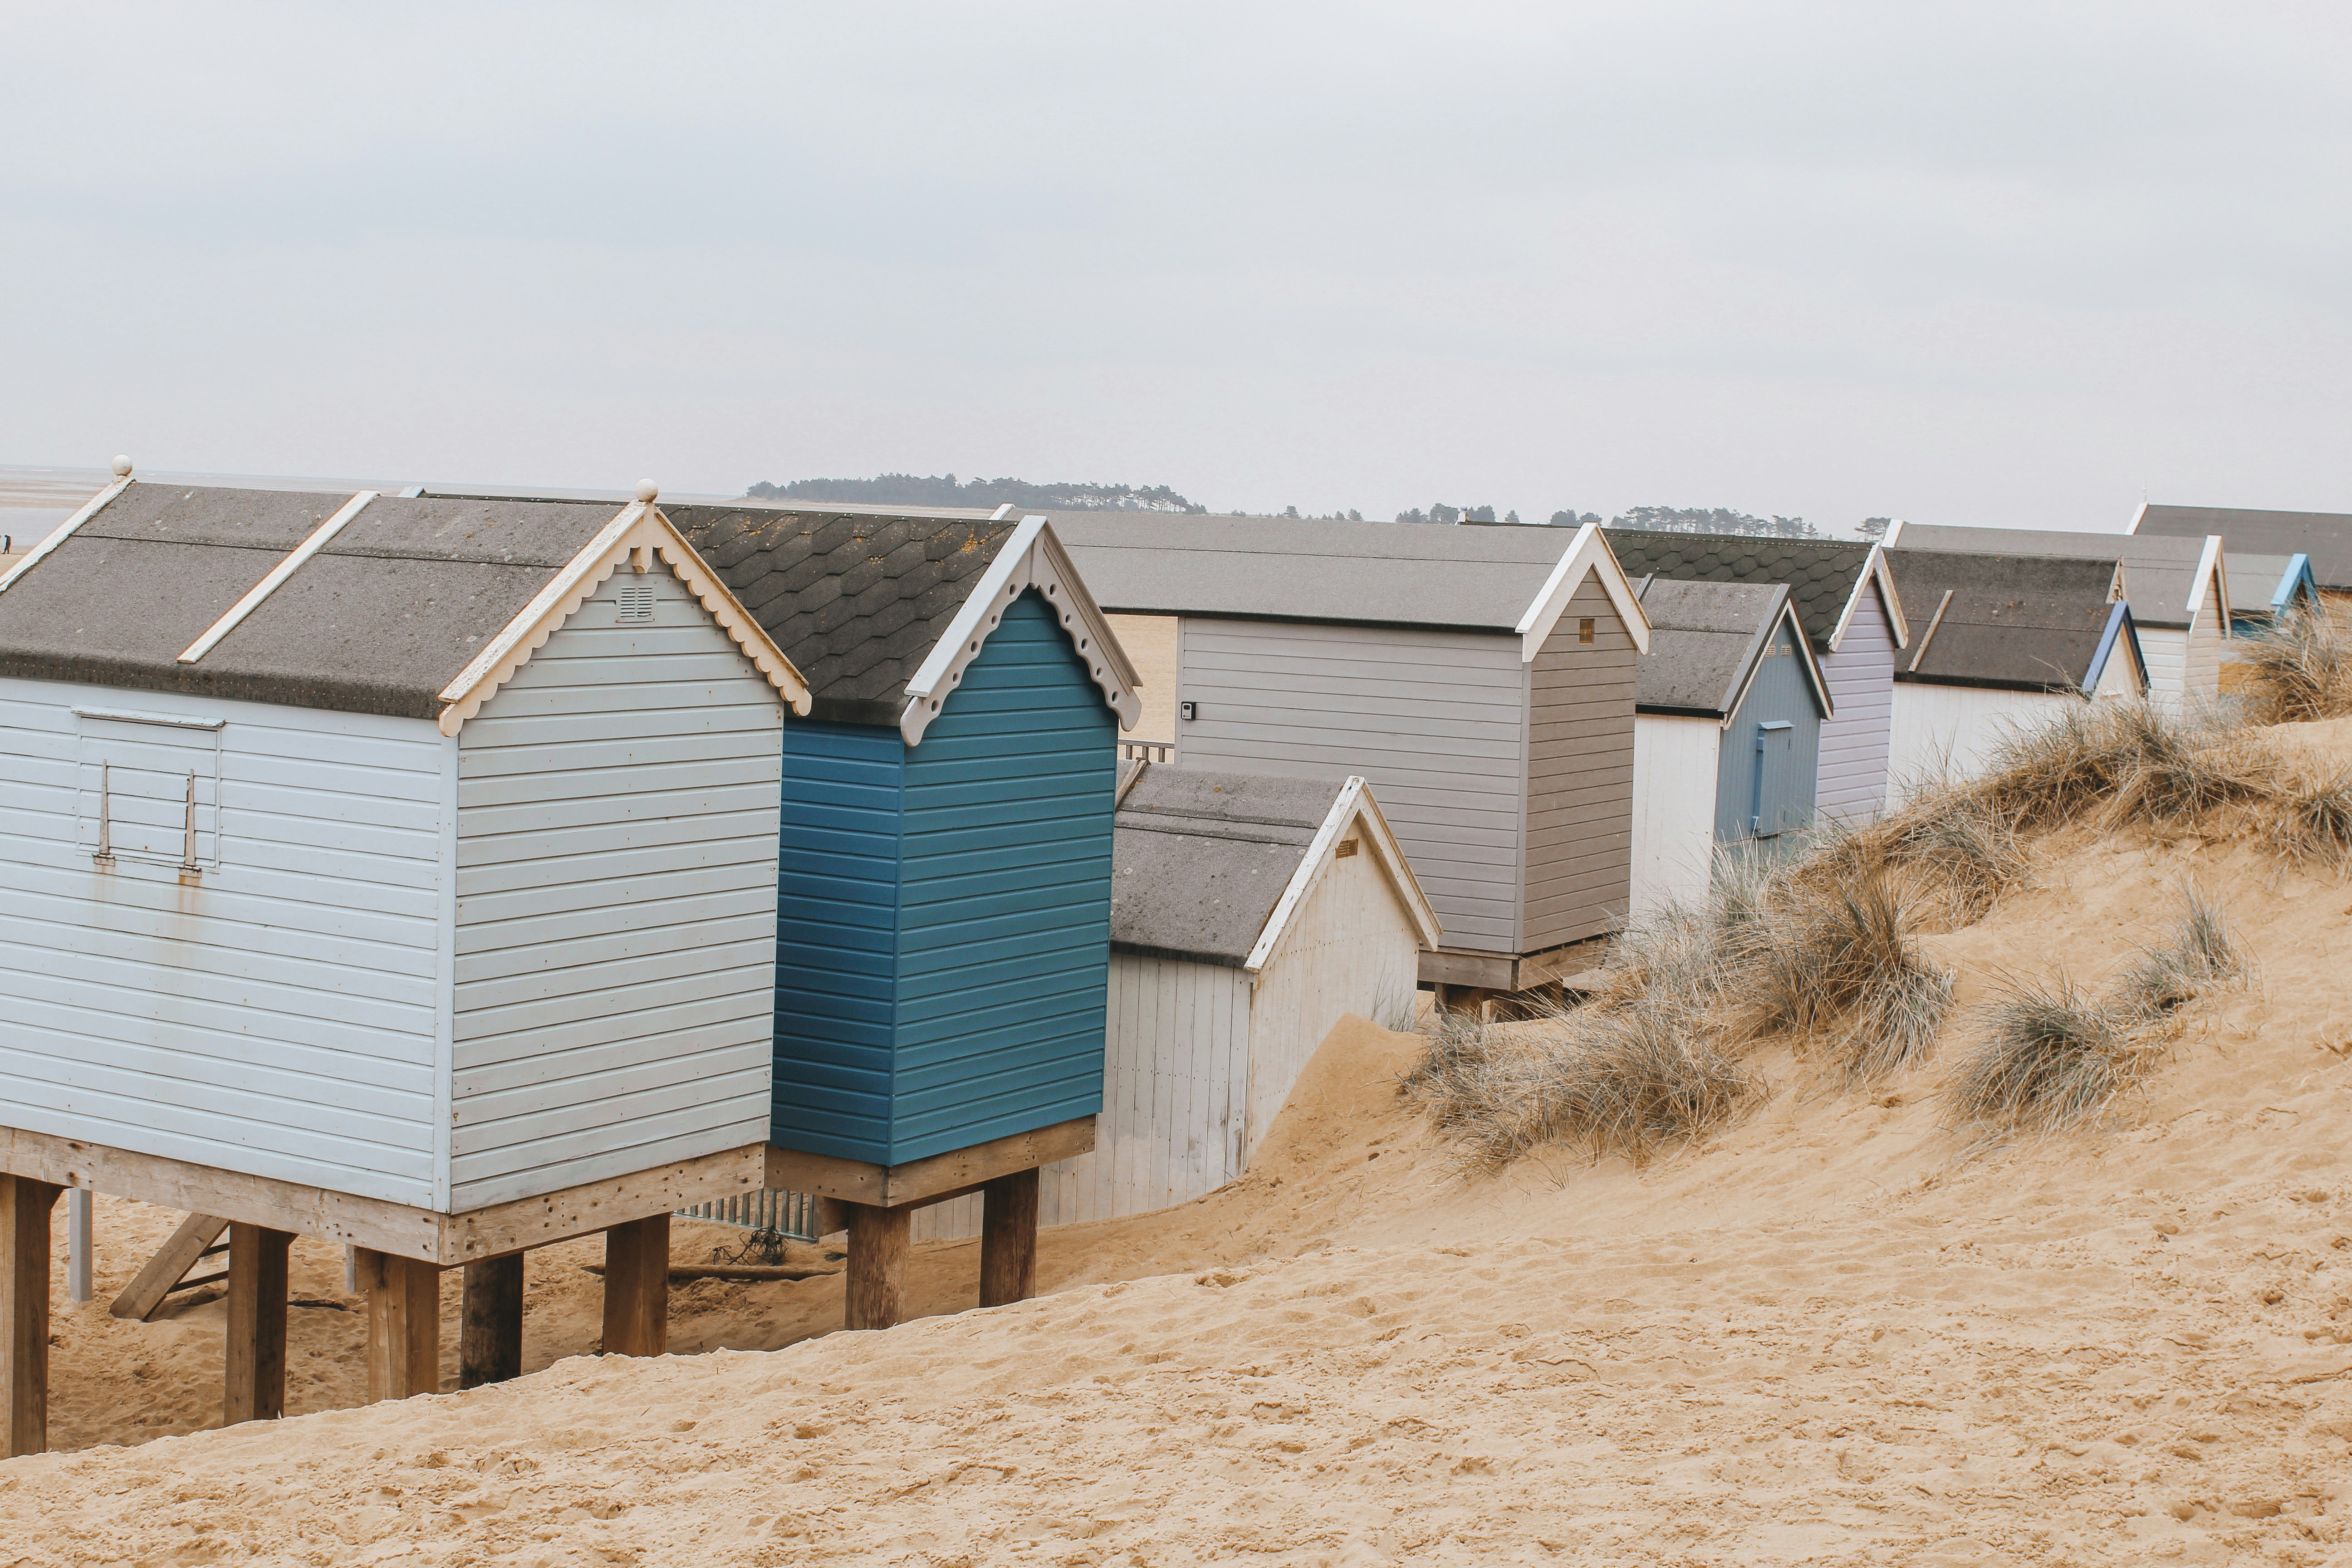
(944, 929)
(393, 870)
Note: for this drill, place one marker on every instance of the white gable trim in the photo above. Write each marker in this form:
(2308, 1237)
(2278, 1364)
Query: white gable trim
(1588, 554)
(2210, 571)
(260, 591)
(1890, 602)
(2137, 517)
(65, 529)
(1032, 558)
(1354, 808)
(640, 530)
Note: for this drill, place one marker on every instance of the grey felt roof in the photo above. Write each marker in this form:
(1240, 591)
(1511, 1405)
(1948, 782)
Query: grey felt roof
(2325, 536)
(2024, 623)
(1704, 639)
(378, 622)
(2253, 579)
(2159, 571)
(1820, 574)
(854, 600)
(1311, 568)
(1199, 860)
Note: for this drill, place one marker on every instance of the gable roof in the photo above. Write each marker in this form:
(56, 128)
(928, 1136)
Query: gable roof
(1825, 577)
(408, 606)
(1707, 641)
(884, 612)
(2325, 536)
(2021, 623)
(1498, 579)
(2267, 584)
(2168, 581)
(1211, 866)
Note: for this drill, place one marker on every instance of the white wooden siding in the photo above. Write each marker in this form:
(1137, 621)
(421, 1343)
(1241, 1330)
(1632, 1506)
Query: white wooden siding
(1856, 738)
(1952, 732)
(1434, 720)
(616, 905)
(1350, 948)
(1674, 768)
(2165, 650)
(1175, 1101)
(2203, 648)
(278, 1017)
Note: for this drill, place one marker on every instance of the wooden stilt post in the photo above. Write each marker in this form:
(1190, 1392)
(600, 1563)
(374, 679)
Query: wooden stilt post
(404, 1353)
(637, 1286)
(489, 1335)
(257, 1325)
(1008, 1239)
(24, 1206)
(877, 1265)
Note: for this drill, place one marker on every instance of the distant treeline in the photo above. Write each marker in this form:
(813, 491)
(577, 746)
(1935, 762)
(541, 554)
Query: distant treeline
(946, 490)
(942, 490)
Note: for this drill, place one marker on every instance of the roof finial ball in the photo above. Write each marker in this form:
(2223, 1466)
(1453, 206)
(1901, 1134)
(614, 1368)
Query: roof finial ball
(647, 490)
(121, 467)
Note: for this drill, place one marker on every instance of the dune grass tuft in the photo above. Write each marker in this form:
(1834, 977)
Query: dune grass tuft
(1838, 964)
(2309, 825)
(2297, 671)
(1630, 1081)
(2052, 1058)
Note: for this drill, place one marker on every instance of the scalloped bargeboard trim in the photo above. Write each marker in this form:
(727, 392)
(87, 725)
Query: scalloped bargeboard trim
(1032, 558)
(639, 529)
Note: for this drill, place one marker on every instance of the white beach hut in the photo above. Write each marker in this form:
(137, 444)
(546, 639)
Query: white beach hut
(393, 870)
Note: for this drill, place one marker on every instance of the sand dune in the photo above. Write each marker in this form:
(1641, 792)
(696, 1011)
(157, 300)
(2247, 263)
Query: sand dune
(1835, 1333)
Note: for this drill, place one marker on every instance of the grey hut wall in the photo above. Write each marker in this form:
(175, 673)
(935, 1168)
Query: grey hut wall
(1781, 692)
(616, 833)
(1856, 740)
(1434, 720)
(1579, 831)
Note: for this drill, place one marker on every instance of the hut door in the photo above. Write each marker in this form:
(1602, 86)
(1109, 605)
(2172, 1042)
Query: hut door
(1774, 788)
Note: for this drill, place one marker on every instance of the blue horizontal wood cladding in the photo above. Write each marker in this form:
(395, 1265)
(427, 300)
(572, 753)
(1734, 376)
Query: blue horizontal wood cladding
(943, 914)
(1788, 756)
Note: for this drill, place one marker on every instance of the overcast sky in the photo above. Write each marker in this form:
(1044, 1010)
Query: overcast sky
(1995, 264)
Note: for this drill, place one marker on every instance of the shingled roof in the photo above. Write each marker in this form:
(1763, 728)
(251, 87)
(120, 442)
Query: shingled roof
(1706, 640)
(1822, 576)
(2161, 572)
(855, 601)
(2021, 623)
(381, 619)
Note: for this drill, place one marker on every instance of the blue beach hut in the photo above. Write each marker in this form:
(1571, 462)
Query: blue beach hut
(944, 895)
(1726, 733)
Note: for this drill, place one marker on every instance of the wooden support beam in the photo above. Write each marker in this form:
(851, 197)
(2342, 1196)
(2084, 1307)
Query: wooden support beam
(24, 1206)
(1008, 1239)
(931, 1179)
(637, 1286)
(440, 1238)
(168, 1267)
(257, 1325)
(404, 1349)
(489, 1333)
(877, 1265)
